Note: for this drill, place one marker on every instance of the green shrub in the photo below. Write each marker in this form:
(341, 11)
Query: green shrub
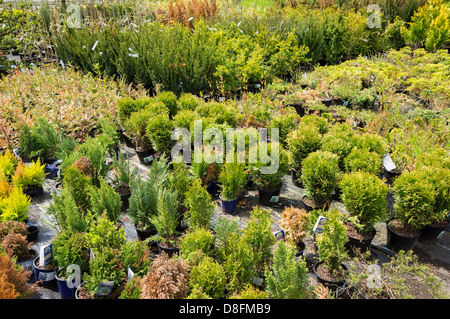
(184, 119)
(320, 174)
(200, 207)
(258, 235)
(106, 266)
(301, 142)
(233, 178)
(339, 140)
(187, 102)
(66, 214)
(159, 131)
(8, 164)
(414, 195)
(135, 254)
(103, 233)
(194, 240)
(364, 196)
(77, 184)
(105, 199)
(210, 276)
(286, 122)
(331, 242)
(250, 292)
(96, 152)
(287, 278)
(363, 160)
(70, 248)
(167, 218)
(170, 101)
(226, 232)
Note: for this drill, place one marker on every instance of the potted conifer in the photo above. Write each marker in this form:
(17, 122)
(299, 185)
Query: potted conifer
(233, 178)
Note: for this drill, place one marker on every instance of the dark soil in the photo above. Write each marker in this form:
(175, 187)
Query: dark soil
(353, 232)
(400, 229)
(324, 272)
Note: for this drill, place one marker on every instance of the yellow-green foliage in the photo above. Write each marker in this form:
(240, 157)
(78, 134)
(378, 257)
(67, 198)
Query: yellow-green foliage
(15, 206)
(8, 164)
(29, 175)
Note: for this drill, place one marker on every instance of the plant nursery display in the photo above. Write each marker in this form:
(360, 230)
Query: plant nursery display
(224, 150)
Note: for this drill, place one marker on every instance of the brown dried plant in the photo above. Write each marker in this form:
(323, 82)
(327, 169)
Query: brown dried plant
(294, 221)
(84, 165)
(167, 278)
(12, 226)
(13, 279)
(16, 245)
(182, 12)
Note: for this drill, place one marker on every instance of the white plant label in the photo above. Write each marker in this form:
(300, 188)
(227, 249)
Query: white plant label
(320, 223)
(46, 255)
(388, 163)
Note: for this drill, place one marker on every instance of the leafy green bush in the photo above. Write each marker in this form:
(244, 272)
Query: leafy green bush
(167, 218)
(233, 178)
(106, 266)
(103, 233)
(200, 207)
(301, 142)
(135, 254)
(287, 278)
(70, 248)
(210, 276)
(194, 240)
(320, 174)
(414, 195)
(26, 176)
(331, 242)
(226, 232)
(363, 160)
(105, 199)
(159, 131)
(15, 206)
(364, 196)
(66, 214)
(339, 140)
(170, 101)
(77, 184)
(187, 102)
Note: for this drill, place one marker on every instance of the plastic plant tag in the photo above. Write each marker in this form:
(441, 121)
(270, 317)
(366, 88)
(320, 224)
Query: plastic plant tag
(105, 288)
(274, 199)
(321, 221)
(46, 255)
(130, 274)
(388, 163)
(258, 281)
(279, 234)
(91, 254)
(95, 45)
(148, 159)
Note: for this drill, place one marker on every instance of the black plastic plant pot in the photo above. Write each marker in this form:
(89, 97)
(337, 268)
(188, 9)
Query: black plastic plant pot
(296, 178)
(390, 176)
(125, 198)
(301, 246)
(334, 285)
(34, 191)
(397, 242)
(28, 264)
(143, 234)
(269, 197)
(228, 206)
(65, 292)
(32, 234)
(431, 234)
(355, 245)
(44, 277)
(145, 156)
(213, 188)
(170, 251)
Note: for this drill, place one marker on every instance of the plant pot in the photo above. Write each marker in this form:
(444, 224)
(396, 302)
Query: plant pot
(310, 205)
(128, 142)
(125, 201)
(65, 292)
(431, 234)
(228, 206)
(301, 246)
(269, 197)
(333, 285)
(33, 232)
(143, 234)
(45, 277)
(360, 244)
(170, 251)
(390, 176)
(336, 195)
(296, 178)
(34, 191)
(396, 241)
(213, 188)
(145, 156)
(28, 263)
